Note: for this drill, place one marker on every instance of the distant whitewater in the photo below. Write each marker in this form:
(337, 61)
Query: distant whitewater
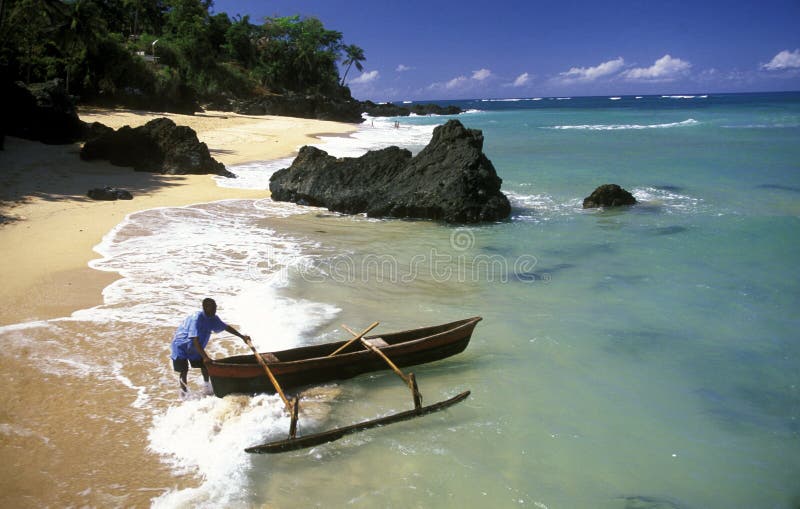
(622, 127)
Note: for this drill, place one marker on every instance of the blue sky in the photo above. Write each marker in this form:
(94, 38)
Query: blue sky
(462, 49)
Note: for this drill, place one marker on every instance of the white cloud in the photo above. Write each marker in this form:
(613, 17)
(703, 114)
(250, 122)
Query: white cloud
(403, 68)
(462, 82)
(593, 73)
(481, 74)
(665, 68)
(456, 82)
(366, 77)
(784, 60)
(521, 80)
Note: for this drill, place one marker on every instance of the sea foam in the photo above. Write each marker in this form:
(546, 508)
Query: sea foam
(253, 175)
(622, 127)
(669, 201)
(246, 263)
(512, 100)
(377, 133)
(540, 207)
(684, 96)
(208, 436)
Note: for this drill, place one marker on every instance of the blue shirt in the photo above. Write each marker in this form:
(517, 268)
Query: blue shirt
(195, 325)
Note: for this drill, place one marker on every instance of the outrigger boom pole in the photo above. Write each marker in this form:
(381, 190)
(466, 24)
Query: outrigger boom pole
(409, 379)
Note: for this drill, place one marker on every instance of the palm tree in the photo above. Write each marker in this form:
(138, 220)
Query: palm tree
(355, 55)
(80, 33)
(32, 22)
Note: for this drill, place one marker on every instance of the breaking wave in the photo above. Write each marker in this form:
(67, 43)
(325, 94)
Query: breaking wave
(622, 127)
(510, 100)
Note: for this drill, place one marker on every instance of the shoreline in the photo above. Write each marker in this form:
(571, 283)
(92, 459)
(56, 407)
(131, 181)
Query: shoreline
(70, 437)
(50, 227)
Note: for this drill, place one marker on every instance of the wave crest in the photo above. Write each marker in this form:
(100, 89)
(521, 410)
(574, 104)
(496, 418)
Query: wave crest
(622, 127)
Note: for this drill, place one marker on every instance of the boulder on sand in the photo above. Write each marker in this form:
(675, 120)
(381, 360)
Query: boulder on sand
(159, 146)
(109, 193)
(41, 112)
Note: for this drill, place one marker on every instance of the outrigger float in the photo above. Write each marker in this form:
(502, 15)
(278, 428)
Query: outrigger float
(309, 365)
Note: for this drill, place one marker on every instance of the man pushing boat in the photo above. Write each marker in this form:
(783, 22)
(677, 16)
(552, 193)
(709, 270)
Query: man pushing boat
(190, 340)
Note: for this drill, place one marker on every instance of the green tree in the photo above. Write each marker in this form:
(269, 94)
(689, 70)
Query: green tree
(28, 33)
(353, 56)
(143, 16)
(299, 54)
(239, 41)
(187, 29)
(80, 35)
(218, 26)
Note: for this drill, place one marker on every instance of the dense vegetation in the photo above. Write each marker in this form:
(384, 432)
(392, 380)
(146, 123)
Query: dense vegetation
(103, 51)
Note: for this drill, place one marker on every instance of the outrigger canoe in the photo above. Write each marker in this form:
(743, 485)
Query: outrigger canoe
(310, 365)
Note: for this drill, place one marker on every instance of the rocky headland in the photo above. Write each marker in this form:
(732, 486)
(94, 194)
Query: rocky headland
(321, 107)
(395, 110)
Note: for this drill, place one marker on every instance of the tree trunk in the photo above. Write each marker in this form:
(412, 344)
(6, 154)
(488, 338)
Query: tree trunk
(345, 72)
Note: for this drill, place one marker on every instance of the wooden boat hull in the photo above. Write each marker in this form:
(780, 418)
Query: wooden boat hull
(310, 365)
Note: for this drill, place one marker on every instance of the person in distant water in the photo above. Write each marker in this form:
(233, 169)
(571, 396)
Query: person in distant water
(191, 338)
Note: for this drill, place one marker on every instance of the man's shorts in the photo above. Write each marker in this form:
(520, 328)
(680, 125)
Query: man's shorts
(181, 365)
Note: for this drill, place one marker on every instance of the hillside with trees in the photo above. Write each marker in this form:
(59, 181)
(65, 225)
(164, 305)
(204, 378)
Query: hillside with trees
(176, 55)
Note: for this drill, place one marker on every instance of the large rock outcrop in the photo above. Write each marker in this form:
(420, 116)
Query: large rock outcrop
(450, 179)
(41, 112)
(159, 146)
(608, 195)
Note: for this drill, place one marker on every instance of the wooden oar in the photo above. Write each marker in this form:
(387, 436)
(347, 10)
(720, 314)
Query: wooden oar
(356, 338)
(292, 407)
(271, 377)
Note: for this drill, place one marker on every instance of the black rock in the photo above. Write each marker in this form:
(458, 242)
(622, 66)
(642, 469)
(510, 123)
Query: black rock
(41, 112)
(608, 195)
(450, 179)
(109, 194)
(317, 106)
(339, 107)
(395, 110)
(96, 130)
(158, 146)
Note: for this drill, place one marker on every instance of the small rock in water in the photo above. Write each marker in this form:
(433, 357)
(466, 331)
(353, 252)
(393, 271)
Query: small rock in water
(608, 195)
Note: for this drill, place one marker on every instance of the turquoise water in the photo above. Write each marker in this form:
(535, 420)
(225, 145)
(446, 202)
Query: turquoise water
(637, 358)
(641, 358)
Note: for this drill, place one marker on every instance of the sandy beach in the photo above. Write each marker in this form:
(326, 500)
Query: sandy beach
(48, 230)
(51, 226)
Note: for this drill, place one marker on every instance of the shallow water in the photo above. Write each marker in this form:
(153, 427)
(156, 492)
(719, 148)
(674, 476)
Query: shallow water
(644, 357)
